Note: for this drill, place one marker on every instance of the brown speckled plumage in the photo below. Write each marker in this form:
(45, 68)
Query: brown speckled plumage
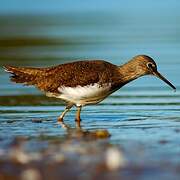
(90, 75)
(80, 73)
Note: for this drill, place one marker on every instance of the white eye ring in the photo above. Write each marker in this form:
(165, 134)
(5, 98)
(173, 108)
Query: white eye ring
(150, 65)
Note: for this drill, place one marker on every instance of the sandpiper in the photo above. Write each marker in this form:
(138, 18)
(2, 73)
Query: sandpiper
(83, 83)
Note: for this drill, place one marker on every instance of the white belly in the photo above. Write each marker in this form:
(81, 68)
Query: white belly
(81, 96)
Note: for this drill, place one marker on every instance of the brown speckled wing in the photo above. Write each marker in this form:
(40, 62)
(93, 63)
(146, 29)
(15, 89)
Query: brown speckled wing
(80, 73)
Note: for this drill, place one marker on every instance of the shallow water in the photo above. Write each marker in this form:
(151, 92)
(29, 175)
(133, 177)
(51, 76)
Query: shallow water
(143, 117)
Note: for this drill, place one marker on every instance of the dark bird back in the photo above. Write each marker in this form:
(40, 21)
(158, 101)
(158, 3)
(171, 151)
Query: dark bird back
(80, 73)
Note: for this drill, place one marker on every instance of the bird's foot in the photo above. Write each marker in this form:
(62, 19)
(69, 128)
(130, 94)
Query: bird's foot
(63, 125)
(60, 119)
(78, 123)
(78, 120)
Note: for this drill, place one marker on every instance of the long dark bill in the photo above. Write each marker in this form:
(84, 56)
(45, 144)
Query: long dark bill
(157, 74)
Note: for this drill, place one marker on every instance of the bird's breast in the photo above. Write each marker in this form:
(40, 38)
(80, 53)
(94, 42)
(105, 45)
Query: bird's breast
(82, 95)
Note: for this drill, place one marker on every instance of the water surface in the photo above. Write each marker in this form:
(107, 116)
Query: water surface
(143, 117)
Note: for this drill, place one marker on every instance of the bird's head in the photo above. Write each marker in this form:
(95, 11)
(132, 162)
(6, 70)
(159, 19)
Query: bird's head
(145, 65)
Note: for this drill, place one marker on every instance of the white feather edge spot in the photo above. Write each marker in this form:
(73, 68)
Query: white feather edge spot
(6, 70)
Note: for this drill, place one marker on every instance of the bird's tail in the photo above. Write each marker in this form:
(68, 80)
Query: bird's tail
(25, 75)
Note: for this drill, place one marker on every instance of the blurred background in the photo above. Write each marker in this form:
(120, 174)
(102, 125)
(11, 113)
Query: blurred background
(142, 117)
(49, 32)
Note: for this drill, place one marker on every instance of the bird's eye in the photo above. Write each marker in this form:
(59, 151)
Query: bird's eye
(150, 65)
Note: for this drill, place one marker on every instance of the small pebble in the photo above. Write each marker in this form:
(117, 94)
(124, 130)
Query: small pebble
(177, 130)
(102, 133)
(58, 157)
(18, 155)
(30, 174)
(36, 120)
(10, 121)
(163, 141)
(114, 159)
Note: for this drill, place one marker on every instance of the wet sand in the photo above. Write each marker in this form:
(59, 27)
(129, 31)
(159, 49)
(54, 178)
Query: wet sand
(80, 154)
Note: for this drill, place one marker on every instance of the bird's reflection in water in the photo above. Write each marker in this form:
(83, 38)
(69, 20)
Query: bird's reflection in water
(79, 132)
(67, 127)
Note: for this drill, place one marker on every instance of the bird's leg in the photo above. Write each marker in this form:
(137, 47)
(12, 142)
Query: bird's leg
(78, 125)
(78, 117)
(68, 107)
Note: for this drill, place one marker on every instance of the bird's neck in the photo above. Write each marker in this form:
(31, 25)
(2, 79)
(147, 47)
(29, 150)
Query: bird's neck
(129, 72)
